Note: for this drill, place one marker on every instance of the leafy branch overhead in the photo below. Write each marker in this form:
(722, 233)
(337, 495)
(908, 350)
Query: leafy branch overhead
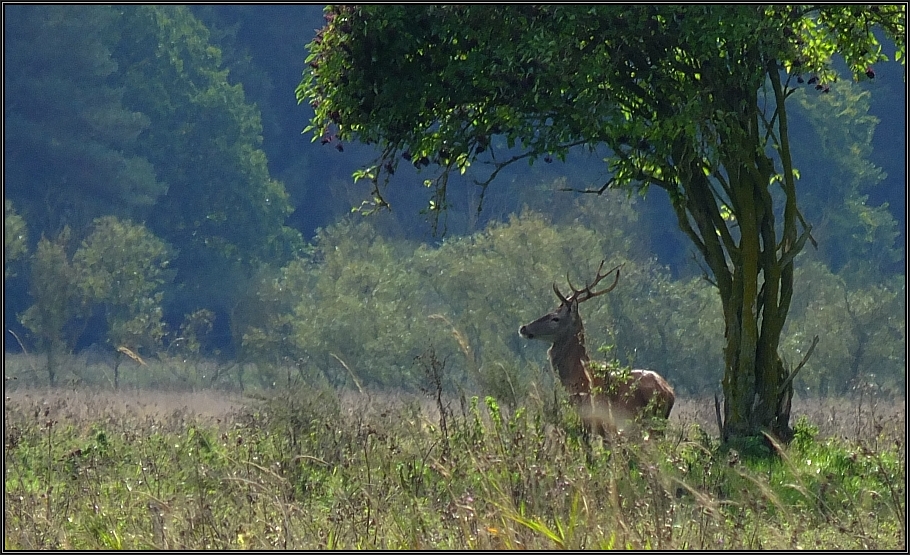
(691, 99)
(435, 84)
(160, 197)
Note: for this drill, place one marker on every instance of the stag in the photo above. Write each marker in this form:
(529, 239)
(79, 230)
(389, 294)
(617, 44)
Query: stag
(602, 398)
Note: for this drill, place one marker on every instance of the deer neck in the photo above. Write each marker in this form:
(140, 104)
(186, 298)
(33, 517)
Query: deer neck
(568, 358)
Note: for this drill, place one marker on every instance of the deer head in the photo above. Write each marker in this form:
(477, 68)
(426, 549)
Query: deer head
(564, 323)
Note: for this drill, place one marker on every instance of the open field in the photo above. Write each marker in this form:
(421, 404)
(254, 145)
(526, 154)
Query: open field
(843, 418)
(317, 469)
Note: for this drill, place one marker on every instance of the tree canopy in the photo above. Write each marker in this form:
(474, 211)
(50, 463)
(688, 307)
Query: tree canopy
(139, 120)
(436, 84)
(691, 99)
(222, 206)
(147, 151)
(70, 148)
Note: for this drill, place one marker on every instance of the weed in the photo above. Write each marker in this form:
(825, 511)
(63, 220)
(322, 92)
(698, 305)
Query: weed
(316, 468)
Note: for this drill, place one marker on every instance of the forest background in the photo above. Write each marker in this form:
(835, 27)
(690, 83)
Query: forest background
(161, 199)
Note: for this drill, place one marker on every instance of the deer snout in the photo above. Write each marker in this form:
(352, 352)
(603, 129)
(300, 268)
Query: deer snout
(523, 331)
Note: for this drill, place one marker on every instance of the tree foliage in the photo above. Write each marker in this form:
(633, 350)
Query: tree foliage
(222, 210)
(435, 84)
(690, 99)
(70, 141)
(121, 268)
(14, 237)
(129, 112)
(861, 329)
(205, 141)
(836, 192)
(57, 315)
(368, 305)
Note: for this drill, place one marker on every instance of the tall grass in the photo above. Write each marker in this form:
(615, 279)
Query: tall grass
(313, 468)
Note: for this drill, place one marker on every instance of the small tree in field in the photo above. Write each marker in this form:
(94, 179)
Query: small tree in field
(121, 267)
(57, 316)
(691, 99)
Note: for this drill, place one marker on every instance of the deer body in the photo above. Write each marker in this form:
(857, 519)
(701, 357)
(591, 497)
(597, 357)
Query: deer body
(603, 399)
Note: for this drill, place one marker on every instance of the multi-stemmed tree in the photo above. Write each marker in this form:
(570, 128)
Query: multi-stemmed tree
(690, 99)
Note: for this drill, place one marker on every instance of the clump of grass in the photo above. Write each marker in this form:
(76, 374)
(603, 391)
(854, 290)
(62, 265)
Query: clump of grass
(314, 468)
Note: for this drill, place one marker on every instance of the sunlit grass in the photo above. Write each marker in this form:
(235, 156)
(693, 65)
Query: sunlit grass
(315, 469)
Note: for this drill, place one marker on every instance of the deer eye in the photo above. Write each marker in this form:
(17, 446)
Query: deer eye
(556, 318)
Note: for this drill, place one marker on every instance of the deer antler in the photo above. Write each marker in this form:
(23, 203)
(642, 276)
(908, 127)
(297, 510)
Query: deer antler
(562, 299)
(581, 295)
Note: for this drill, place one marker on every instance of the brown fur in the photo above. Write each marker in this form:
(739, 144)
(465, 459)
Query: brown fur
(602, 400)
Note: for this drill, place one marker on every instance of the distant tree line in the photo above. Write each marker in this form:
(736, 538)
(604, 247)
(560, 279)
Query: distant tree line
(142, 212)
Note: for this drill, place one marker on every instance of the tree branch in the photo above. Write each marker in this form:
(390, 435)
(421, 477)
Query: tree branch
(499, 166)
(704, 271)
(807, 228)
(788, 256)
(789, 380)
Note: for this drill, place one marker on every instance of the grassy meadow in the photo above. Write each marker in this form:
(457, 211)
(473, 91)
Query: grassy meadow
(314, 468)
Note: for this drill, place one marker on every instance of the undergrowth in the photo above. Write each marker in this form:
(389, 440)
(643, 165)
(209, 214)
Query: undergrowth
(311, 468)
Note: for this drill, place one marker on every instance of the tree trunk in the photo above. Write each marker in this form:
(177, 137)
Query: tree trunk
(752, 269)
(51, 363)
(757, 395)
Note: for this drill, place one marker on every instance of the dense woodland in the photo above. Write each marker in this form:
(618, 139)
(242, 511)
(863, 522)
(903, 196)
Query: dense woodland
(161, 197)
